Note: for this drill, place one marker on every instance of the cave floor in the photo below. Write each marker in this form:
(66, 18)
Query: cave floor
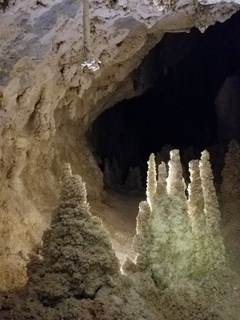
(118, 212)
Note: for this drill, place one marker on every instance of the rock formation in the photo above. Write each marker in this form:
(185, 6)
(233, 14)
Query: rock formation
(214, 240)
(76, 258)
(196, 214)
(178, 239)
(151, 180)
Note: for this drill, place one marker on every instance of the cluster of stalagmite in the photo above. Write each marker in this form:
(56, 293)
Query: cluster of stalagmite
(75, 274)
(180, 226)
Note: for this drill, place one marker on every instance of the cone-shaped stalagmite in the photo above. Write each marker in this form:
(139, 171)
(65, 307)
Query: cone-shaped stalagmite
(197, 217)
(143, 238)
(162, 180)
(77, 257)
(182, 244)
(214, 241)
(195, 198)
(151, 179)
(175, 183)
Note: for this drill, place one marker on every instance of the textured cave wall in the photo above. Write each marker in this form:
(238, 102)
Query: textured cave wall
(47, 101)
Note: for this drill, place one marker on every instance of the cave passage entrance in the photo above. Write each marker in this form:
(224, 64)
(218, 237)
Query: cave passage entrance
(192, 91)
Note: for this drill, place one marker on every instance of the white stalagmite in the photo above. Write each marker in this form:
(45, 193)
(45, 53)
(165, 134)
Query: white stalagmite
(211, 207)
(162, 180)
(196, 215)
(213, 240)
(151, 179)
(179, 240)
(176, 188)
(143, 238)
(175, 183)
(182, 244)
(172, 247)
(195, 198)
(160, 253)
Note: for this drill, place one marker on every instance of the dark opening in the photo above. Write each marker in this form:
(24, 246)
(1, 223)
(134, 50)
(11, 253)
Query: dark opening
(185, 105)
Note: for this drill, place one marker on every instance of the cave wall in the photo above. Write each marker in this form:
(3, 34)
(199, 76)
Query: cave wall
(47, 101)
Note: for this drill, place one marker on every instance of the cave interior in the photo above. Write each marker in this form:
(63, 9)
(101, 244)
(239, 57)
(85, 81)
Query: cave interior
(187, 97)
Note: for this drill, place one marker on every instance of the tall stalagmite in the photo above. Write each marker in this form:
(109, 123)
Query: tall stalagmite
(214, 241)
(151, 179)
(196, 215)
(182, 244)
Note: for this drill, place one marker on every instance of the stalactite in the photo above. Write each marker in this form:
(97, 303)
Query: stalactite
(86, 30)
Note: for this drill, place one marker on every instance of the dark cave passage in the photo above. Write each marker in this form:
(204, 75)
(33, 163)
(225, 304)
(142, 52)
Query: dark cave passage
(193, 101)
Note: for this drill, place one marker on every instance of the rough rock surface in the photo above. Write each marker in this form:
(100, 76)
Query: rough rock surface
(76, 249)
(47, 101)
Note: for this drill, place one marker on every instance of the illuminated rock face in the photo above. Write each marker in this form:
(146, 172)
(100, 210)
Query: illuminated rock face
(179, 239)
